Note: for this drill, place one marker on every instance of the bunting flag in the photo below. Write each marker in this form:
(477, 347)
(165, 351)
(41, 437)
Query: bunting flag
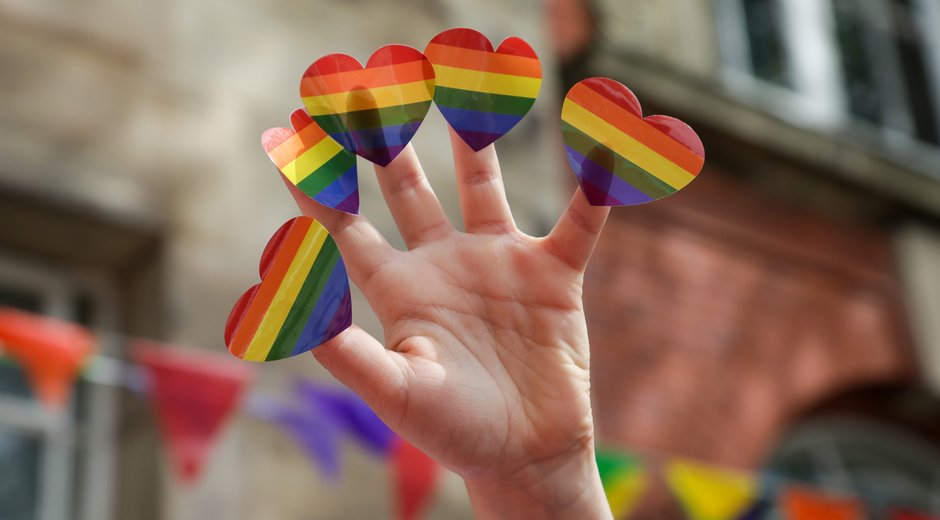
(709, 493)
(415, 477)
(311, 160)
(625, 479)
(619, 157)
(801, 503)
(347, 413)
(372, 111)
(904, 514)
(193, 394)
(318, 438)
(50, 351)
(483, 93)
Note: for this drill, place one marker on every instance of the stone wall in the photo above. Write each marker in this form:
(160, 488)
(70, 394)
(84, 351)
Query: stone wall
(152, 112)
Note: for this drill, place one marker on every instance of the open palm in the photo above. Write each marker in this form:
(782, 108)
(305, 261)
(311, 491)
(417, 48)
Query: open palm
(485, 365)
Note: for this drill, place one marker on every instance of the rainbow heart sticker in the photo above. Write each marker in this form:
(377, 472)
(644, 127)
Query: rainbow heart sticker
(302, 301)
(373, 111)
(483, 93)
(314, 162)
(619, 157)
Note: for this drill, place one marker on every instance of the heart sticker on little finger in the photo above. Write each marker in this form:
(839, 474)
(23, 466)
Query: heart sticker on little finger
(314, 162)
(302, 301)
(619, 157)
(372, 111)
(483, 93)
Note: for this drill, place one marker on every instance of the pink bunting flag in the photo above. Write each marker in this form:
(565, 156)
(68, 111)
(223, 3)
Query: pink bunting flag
(193, 394)
(415, 477)
(50, 351)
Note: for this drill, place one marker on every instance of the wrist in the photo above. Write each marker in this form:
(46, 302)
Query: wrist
(565, 486)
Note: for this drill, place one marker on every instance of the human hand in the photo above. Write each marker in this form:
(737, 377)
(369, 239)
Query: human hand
(486, 363)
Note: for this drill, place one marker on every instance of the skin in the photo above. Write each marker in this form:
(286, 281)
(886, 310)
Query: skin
(485, 365)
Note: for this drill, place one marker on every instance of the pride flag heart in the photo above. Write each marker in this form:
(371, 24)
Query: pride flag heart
(619, 157)
(373, 111)
(483, 93)
(314, 162)
(302, 301)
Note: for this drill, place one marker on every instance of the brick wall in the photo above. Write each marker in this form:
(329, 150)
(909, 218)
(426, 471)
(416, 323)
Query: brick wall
(722, 312)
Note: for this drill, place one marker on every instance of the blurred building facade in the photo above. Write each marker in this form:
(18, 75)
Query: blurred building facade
(780, 313)
(135, 198)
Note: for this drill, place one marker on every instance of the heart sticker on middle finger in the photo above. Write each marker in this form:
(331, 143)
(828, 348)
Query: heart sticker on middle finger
(483, 93)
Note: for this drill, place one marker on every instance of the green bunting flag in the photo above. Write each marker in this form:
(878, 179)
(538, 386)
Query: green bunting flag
(625, 480)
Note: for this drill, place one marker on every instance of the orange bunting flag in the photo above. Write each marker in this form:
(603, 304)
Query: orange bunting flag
(806, 504)
(50, 351)
(709, 493)
(193, 394)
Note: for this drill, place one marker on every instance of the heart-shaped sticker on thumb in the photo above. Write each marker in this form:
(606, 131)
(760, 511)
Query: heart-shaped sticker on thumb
(314, 162)
(619, 157)
(302, 301)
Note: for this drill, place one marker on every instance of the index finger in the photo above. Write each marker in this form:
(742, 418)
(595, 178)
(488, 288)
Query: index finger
(363, 248)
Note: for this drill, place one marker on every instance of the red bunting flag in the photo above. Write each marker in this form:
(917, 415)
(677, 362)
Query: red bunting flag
(806, 504)
(904, 514)
(415, 477)
(193, 393)
(50, 351)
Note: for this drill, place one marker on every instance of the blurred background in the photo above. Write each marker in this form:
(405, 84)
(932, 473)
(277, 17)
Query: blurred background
(780, 316)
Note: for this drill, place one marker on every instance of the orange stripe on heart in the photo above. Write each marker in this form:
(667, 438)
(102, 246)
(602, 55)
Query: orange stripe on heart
(373, 111)
(619, 157)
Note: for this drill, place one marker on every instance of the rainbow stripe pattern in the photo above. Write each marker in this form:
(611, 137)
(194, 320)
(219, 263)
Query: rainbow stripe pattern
(481, 93)
(373, 111)
(302, 301)
(619, 157)
(314, 162)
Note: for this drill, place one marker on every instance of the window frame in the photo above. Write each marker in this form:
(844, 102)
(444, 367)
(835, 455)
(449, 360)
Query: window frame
(60, 436)
(818, 98)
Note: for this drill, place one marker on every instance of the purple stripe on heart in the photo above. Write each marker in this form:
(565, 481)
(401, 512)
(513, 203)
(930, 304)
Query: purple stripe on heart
(350, 204)
(601, 179)
(382, 155)
(377, 138)
(476, 121)
(339, 193)
(334, 306)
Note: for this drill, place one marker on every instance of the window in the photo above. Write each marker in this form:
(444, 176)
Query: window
(769, 59)
(876, 460)
(56, 466)
(76, 262)
(836, 63)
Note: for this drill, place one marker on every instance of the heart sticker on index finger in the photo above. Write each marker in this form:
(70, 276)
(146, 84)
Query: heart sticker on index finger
(373, 111)
(314, 162)
(619, 157)
(483, 93)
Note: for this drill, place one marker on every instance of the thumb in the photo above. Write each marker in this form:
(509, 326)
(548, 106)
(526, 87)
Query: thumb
(363, 364)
